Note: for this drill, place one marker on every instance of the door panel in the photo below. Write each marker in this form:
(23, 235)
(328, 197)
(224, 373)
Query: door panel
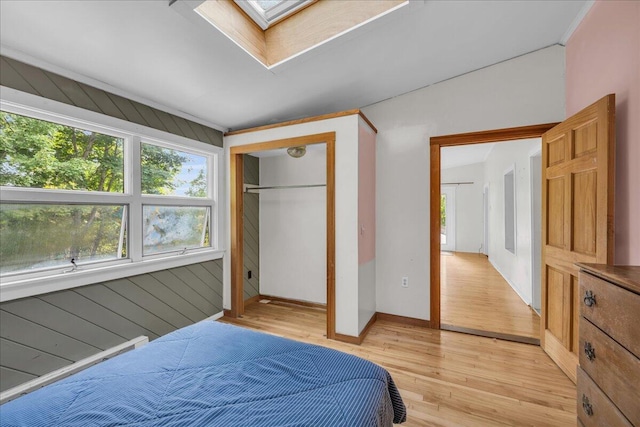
(577, 220)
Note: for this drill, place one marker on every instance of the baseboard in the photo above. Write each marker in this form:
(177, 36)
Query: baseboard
(214, 317)
(404, 320)
(293, 301)
(358, 340)
(252, 299)
(348, 339)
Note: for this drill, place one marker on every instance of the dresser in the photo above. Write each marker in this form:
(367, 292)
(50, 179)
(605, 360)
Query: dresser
(608, 383)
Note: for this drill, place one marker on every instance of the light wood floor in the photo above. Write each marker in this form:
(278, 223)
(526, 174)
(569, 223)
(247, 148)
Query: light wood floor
(445, 378)
(475, 296)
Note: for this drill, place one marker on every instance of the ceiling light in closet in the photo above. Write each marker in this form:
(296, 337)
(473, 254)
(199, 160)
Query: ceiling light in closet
(297, 152)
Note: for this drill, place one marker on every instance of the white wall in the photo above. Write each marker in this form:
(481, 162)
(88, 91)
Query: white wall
(469, 215)
(346, 201)
(515, 268)
(522, 91)
(366, 224)
(293, 228)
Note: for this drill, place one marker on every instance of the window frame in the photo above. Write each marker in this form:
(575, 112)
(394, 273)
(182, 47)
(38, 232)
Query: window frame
(18, 285)
(267, 18)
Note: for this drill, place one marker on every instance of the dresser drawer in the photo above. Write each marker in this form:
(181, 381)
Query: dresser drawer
(612, 367)
(594, 408)
(612, 309)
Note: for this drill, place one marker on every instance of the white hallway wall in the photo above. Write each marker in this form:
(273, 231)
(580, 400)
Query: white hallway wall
(293, 228)
(522, 91)
(515, 268)
(469, 214)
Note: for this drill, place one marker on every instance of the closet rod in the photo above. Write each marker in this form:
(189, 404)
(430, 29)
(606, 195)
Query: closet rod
(275, 187)
(456, 183)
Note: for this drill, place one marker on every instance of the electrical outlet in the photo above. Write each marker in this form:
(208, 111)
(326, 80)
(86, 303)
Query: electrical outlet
(405, 282)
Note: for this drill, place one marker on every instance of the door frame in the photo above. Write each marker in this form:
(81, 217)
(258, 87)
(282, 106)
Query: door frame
(237, 220)
(436, 143)
(535, 174)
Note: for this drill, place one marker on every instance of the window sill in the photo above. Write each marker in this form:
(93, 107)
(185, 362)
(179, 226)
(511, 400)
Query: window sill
(10, 290)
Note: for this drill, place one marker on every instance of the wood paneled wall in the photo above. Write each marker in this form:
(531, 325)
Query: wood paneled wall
(42, 333)
(251, 225)
(26, 78)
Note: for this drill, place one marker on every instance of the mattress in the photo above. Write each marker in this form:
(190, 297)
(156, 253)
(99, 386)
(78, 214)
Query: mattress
(214, 374)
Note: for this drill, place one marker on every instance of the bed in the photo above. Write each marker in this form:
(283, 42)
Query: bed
(214, 374)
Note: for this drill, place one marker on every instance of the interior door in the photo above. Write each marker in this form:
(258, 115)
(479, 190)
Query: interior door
(577, 220)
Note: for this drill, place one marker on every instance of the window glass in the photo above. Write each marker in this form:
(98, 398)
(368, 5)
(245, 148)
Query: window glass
(268, 4)
(175, 228)
(40, 236)
(40, 154)
(173, 173)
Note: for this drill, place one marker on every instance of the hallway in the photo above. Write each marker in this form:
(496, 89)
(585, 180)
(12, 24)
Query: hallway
(475, 297)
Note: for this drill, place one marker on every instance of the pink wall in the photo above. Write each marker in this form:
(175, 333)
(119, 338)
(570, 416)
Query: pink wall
(603, 56)
(366, 194)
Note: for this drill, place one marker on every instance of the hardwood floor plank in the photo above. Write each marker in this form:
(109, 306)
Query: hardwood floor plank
(475, 296)
(445, 378)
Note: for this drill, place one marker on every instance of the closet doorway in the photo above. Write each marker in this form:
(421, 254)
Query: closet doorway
(237, 217)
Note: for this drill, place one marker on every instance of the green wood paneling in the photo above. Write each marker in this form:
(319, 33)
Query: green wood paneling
(251, 234)
(27, 78)
(62, 327)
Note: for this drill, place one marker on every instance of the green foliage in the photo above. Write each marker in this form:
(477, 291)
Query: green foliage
(198, 186)
(39, 154)
(159, 168)
(443, 210)
(40, 236)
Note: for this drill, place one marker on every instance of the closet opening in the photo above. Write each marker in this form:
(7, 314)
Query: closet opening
(277, 191)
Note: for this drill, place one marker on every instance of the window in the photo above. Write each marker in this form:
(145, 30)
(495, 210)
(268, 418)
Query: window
(267, 12)
(81, 198)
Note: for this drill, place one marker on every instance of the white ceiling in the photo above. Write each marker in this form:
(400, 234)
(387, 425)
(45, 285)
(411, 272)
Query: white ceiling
(462, 155)
(154, 52)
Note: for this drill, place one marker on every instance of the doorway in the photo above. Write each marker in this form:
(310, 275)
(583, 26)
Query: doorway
(237, 221)
(437, 143)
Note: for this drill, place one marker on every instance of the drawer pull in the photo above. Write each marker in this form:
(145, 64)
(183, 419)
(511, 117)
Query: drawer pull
(586, 406)
(589, 299)
(589, 351)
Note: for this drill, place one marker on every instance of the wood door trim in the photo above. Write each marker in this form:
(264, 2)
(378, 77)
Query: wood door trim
(494, 135)
(237, 221)
(305, 120)
(437, 142)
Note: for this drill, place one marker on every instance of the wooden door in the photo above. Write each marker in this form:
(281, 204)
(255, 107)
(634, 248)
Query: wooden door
(577, 220)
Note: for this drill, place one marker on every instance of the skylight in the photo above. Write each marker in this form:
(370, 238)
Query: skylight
(267, 12)
(275, 31)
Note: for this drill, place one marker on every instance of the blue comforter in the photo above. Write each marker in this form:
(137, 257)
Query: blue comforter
(213, 374)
